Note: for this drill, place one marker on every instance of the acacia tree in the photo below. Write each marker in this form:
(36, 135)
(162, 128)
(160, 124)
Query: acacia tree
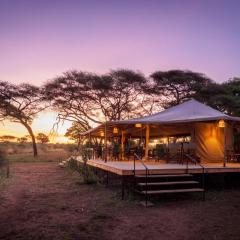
(74, 132)
(21, 104)
(42, 138)
(23, 139)
(225, 97)
(87, 98)
(176, 86)
(7, 138)
(232, 102)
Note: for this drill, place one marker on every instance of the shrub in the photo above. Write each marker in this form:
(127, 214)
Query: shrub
(4, 165)
(2, 157)
(87, 173)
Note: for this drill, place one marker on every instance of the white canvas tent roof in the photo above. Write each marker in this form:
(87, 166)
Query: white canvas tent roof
(189, 111)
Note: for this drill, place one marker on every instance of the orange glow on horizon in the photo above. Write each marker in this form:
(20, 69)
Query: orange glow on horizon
(42, 124)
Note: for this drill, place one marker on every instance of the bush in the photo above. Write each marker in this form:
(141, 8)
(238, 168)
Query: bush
(4, 166)
(71, 148)
(2, 157)
(85, 170)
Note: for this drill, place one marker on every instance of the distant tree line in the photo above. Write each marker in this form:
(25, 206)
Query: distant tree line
(87, 99)
(41, 138)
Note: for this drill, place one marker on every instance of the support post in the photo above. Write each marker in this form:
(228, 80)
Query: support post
(89, 146)
(122, 145)
(105, 141)
(225, 150)
(147, 142)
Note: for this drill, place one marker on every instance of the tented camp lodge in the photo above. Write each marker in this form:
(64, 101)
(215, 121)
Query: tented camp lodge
(188, 138)
(190, 127)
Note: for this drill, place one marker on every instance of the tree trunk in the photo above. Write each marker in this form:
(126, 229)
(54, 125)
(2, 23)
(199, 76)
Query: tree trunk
(30, 131)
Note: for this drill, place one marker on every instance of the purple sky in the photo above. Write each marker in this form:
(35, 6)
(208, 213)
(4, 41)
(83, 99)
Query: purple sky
(41, 39)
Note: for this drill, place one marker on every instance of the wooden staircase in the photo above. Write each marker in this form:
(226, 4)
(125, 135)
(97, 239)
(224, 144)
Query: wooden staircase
(151, 184)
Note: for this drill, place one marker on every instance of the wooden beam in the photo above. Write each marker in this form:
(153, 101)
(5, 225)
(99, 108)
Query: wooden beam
(225, 143)
(105, 142)
(147, 142)
(122, 144)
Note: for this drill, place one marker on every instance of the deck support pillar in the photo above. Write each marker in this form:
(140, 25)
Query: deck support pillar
(147, 142)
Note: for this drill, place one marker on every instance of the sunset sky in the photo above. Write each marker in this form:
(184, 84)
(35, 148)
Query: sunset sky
(40, 39)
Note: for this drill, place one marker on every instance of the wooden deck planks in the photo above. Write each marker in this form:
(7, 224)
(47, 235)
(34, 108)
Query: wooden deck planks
(126, 167)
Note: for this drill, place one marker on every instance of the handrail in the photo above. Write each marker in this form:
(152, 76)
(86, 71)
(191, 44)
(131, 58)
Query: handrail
(146, 174)
(193, 160)
(189, 157)
(136, 156)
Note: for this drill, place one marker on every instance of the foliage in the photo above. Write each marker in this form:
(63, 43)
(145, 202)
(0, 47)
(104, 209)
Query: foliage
(225, 97)
(7, 138)
(74, 131)
(42, 138)
(22, 139)
(176, 86)
(229, 100)
(88, 98)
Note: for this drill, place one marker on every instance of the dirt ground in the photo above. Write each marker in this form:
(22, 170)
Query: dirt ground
(43, 201)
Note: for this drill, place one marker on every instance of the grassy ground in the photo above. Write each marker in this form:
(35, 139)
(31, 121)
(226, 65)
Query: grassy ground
(22, 152)
(42, 157)
(43, 201)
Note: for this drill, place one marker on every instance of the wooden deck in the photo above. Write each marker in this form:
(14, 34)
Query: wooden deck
(126, 167)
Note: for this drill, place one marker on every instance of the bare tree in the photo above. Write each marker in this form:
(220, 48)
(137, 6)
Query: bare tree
(21, 104)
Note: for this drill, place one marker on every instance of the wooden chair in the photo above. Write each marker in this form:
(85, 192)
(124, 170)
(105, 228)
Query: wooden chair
(232, 156)
(174, 153)
(161, 152)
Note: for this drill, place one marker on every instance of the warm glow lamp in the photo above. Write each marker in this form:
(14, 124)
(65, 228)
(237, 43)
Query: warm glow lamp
(138, 125)
(221, 123)
(102, 134)
(115, 130)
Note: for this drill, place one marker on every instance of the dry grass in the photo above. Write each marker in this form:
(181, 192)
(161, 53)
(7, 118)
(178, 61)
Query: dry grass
(43, 157)
(16, 152)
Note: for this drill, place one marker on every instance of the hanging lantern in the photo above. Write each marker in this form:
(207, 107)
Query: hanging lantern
(221, 123)
(115, 130)
(138, 125)
(102, 134)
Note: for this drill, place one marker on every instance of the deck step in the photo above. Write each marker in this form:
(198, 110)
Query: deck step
(167, 183)
(164, 175)
(152, 192)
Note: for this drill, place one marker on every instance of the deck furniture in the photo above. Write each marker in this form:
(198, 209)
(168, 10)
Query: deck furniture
(232, 156)
(174, 153)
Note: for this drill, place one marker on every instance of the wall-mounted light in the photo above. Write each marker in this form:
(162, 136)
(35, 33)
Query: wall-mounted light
(138, 125)
(115, 130)
(102, 134)
(221, 123)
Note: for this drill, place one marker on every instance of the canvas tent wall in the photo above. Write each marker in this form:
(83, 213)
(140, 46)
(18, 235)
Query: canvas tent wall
(210, 140)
